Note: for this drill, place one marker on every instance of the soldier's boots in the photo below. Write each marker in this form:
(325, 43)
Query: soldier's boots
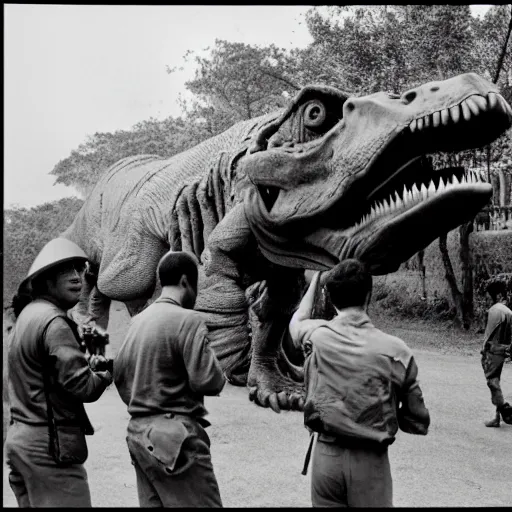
(495, 422)
(505, 412)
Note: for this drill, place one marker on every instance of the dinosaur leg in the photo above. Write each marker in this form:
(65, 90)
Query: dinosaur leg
(93, 307)
(221, 295)
(273, 380)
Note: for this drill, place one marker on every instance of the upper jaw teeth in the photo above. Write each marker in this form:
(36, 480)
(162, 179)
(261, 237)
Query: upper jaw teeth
(468, 108)
(416, 194)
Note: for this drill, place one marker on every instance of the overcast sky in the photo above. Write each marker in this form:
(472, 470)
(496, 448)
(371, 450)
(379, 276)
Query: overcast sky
(73, 70)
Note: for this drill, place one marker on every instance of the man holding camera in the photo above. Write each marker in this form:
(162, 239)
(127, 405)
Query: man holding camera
(49, 381)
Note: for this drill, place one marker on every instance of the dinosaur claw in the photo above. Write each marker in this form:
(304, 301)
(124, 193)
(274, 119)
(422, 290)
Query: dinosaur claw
(294, 398)
(262, 397)
(274, 405)
(282, 398)
(300, 404)
(252, 393)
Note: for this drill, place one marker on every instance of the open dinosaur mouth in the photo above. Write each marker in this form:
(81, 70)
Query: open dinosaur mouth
(473, 123)
(419, 201)
(404, 199)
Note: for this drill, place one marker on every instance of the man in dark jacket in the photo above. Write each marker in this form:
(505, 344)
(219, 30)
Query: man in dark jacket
(497, 345)
(163, 370)
(361, 386)
(44, 352)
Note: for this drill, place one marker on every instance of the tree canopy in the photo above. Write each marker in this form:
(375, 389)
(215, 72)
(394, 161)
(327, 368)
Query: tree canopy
(360, 49)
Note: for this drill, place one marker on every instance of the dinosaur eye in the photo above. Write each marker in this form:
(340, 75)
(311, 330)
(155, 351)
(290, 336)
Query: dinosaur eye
(314, 114)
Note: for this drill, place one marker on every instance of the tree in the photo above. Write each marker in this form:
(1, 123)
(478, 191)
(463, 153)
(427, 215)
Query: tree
(85, 165)
(389, 48)
(237, 81)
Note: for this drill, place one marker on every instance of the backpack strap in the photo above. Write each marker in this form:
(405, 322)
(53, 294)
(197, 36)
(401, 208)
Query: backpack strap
(308, 453)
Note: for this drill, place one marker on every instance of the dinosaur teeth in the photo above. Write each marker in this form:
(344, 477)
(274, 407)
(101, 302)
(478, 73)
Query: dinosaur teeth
(473, 106)
(481, 102)
(420, 123)
(413, 125)
(455, 113)
(431, 188)
(492, 99)
(436, 119)
(404, 194)
(445, 116)
(465, 110)
(415, 193)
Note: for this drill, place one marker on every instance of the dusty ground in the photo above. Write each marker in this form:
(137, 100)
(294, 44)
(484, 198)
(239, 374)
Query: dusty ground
(258, 455)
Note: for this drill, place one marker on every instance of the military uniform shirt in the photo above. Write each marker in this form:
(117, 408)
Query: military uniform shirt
(165, 363)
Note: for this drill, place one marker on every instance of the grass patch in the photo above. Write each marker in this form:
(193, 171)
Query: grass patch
(427, 334)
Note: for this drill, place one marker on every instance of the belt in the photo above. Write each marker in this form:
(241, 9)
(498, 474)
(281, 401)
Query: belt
(356, 442)
(61, 423)
(198, 419)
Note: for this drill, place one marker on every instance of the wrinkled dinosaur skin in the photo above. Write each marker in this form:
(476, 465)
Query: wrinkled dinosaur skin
(271, 197)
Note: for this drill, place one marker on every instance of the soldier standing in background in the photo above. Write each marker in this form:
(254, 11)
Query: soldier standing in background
(497, 345)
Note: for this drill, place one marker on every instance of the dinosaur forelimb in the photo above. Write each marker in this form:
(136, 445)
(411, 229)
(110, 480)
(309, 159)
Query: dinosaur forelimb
(273, 381)
(91, 314)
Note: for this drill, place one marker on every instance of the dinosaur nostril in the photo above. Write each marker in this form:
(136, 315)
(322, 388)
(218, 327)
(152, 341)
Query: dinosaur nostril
(410, 96)
(434, 88)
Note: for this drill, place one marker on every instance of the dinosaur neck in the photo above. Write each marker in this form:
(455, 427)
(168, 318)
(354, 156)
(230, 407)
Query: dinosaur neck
(211, 190)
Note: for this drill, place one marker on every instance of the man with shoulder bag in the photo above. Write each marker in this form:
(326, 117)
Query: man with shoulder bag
(361, 386)
(49, 381)
(162, 371)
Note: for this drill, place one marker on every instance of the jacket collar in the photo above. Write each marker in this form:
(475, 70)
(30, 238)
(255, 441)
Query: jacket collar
(353, 316)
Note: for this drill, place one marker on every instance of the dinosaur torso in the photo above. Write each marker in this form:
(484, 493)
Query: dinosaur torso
(328, 178)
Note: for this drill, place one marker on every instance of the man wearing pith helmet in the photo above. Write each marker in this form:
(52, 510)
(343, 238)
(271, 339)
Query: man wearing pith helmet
(49, 381)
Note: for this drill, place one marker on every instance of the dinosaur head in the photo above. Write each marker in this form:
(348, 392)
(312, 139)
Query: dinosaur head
(337, 176)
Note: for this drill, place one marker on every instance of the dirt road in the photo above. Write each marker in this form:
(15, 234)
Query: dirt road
(258, 455)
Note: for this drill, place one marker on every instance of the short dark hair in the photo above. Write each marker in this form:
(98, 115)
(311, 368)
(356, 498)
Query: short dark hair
(174, 264)
(499, 284)
(348, 283)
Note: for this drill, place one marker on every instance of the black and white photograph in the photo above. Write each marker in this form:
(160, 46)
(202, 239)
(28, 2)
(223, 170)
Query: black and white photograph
(257, 256)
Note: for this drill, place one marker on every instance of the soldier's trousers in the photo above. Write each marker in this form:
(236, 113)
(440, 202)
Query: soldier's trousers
(35, 478)
(344, 476)
(172, 461)
(493, 366)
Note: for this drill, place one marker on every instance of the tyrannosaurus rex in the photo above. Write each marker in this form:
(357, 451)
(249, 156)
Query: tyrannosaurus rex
(330, 177)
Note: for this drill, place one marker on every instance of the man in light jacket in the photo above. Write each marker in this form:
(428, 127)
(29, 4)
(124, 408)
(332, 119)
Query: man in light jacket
(361, 386)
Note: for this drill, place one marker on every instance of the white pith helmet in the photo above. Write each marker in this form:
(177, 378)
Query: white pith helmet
(55, 252)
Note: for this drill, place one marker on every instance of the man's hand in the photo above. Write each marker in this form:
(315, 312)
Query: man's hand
(106, 375)
(304, 311)
(100, 363)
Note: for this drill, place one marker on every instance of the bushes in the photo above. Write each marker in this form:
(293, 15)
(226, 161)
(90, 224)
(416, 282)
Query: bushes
(401, 292)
